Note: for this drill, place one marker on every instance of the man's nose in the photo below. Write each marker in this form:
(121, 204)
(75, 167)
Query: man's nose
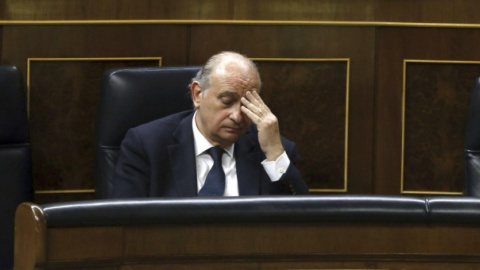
(236, 115)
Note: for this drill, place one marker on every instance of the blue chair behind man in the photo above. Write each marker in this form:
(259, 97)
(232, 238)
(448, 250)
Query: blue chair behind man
(15, 158)
(130, 97)
(472, 144)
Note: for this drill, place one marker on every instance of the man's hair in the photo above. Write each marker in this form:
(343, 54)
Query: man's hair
(203, 76)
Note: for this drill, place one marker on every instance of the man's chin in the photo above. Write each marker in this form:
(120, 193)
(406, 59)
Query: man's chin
(231, 137)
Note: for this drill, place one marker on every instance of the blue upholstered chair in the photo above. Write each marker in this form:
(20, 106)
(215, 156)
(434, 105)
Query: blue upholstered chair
(130, 97)
(15, 158)
(472, 144)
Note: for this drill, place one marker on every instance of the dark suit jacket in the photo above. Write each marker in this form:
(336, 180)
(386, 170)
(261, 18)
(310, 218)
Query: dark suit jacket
(158, 160)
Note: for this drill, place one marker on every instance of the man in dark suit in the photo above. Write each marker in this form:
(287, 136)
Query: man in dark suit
(170, 157)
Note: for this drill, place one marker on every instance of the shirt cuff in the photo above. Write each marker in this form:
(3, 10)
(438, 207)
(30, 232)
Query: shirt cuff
(275, 169)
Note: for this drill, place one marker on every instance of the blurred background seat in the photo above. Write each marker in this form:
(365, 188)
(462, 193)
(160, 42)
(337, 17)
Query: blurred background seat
(472, 144)
(130, 97)
(15, 158)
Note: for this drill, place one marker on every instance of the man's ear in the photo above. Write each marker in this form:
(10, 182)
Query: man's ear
(196, 92)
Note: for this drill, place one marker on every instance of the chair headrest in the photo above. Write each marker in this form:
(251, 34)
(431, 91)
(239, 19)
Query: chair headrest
(13, 107)
(472, 137)
(134, 96)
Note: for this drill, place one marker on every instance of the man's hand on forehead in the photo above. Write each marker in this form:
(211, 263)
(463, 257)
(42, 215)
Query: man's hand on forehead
(267, 124)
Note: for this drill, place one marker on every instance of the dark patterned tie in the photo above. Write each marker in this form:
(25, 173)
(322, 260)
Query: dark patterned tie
(215, 181)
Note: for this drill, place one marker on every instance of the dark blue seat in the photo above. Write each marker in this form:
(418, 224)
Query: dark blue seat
(130, 97)
(15, 158)
(472, 144)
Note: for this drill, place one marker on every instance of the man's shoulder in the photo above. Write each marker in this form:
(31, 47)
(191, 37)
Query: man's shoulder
(170, 121)
(161, 130)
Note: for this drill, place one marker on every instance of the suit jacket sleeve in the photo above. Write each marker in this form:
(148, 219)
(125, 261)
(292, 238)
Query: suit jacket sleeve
(292, 180)
(131, 178)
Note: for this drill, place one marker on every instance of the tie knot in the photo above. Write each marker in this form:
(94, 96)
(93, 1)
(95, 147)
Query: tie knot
(216, 154)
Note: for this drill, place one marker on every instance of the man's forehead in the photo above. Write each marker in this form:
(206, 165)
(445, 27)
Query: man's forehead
(234, 65)
(241, 79)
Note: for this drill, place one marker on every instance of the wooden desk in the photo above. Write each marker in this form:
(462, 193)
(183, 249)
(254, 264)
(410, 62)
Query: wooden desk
(245, 244)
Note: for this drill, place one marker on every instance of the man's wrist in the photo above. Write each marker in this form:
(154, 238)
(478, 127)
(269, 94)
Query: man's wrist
(275, 169)
(273, 155)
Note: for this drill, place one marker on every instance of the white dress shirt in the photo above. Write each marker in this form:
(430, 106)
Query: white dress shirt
(204, 162)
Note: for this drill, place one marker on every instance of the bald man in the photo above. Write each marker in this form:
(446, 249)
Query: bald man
(170, 157)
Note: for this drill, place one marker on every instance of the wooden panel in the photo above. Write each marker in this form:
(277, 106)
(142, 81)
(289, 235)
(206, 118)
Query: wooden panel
(117, 10)
(67, 93)
(63, 101)
(298, 42)
(258, 239)
(437, 97)
(50, 196)
(272, 246)
(70, 244)
(394, 46)
(31, 222)
(310, 100)
(22, 42)
(432, 11)
(3, 8)
(47, 241)
(327, 10)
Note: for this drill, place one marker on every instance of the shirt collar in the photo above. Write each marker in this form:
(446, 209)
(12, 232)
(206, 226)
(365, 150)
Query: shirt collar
(202, 144)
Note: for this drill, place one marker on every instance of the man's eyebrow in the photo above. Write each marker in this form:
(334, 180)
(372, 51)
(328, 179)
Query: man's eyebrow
(230, 94)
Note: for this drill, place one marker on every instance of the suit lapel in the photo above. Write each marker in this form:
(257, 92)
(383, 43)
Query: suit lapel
(182, 159)
(247, 158)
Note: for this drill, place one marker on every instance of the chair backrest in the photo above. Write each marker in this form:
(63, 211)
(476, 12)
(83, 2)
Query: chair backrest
(131, 97)
(472, 144)
(15, 158)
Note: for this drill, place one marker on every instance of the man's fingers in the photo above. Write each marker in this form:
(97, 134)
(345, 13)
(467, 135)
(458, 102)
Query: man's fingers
(250, 114)
(254, 98)
(255, 104)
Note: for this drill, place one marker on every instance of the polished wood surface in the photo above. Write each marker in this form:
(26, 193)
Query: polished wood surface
(406, 11)
(436, 98)
(427, 11)
(250, 245)
(63, 98)
(377, 144)
(30, 237)
(117, 10)
(444, 50)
